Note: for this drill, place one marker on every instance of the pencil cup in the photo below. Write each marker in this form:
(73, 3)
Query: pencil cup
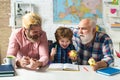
(9, 60)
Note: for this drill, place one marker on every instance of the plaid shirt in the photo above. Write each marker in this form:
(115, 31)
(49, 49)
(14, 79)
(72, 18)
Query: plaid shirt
(61, 55)
(101, 48)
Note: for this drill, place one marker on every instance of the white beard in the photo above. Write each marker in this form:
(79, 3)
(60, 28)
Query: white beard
(86, 38)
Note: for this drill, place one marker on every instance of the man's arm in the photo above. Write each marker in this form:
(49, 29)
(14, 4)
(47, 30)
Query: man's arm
(108, 58)
(13, 45)
(108, 51)
(43, 50)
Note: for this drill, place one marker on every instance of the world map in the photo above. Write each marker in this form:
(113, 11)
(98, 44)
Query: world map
(72, 11)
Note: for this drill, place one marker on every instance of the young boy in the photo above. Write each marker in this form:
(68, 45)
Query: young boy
(60, 49)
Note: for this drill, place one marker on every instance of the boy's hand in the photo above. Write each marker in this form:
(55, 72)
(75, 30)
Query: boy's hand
(53, 51)
(73, 58)
(72, 55)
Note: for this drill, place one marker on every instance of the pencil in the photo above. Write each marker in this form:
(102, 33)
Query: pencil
(56, 46)
(78, 68)
(85, 68)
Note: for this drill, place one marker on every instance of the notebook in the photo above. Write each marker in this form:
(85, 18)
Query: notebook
(6, 70)
(109, 71)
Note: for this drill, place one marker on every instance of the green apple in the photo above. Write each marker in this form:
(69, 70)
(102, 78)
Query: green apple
(72, 53)
(91, 61)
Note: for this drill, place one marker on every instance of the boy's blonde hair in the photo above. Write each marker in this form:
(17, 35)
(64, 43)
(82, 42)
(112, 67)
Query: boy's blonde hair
(63, 32)
(30, 19)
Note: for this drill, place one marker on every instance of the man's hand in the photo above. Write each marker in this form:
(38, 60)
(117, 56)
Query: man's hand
(24, 61)
(72, 55)
(99, 64)
(34, 64)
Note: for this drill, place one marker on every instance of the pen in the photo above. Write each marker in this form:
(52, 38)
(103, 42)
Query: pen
(85, 68)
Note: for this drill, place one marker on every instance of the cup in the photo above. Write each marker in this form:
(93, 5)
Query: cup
(9, 60)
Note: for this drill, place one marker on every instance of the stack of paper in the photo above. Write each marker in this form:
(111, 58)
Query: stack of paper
(6, 70)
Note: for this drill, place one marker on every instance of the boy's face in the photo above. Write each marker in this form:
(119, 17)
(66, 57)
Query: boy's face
(64, 42)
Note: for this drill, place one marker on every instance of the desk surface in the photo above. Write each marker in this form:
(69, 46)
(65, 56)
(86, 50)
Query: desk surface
(23, 74)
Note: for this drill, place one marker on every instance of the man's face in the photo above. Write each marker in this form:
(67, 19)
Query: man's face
(86, 32)
(34, 33)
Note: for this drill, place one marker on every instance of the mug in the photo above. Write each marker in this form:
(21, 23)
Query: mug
(9, 60)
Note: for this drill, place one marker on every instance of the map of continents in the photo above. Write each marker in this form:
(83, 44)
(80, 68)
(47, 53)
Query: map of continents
(72, 11)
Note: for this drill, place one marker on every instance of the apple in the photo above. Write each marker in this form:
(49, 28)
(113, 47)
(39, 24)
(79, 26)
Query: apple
(72, 53)
(118, 54)
(91, 61)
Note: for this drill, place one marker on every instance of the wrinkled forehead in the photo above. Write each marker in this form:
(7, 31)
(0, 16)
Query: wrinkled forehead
(84, 23)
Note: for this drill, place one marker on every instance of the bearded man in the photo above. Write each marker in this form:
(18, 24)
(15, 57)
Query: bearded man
(90, 43)
(29, 44)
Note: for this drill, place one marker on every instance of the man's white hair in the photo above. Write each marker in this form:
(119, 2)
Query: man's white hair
(92, 23)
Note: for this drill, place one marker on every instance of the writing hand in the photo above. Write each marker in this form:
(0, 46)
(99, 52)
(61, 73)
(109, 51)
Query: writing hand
(53, 51)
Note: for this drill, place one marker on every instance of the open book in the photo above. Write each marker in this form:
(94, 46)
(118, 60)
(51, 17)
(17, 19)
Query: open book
(61, 66)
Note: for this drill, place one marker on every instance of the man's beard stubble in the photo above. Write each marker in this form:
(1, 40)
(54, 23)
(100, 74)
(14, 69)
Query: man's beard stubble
(32, 38)
(86, 38)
